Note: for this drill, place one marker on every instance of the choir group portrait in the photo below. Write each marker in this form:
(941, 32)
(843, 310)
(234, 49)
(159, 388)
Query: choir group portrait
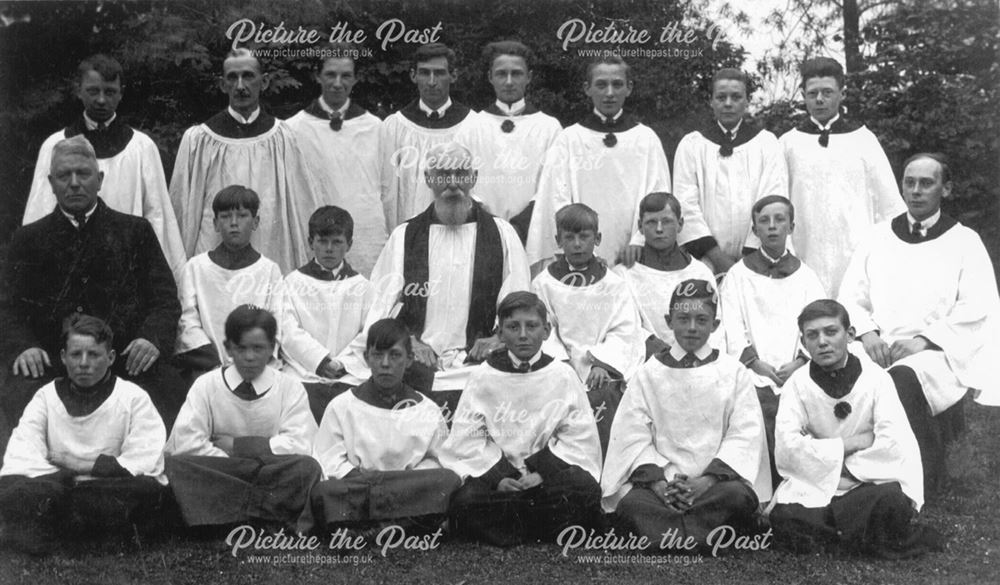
(427, 324)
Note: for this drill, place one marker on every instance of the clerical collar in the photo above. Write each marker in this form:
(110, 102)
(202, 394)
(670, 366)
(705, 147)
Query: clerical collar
(93, 125)
(233, 259)
(516, 362)
(342, 110)
(261, 384)
(607, 120)
(839, 382)
(513, 109)
(735, 129)
(86, 214)
(925, 224)
(829, 123)
(440, 111)
(239, 117)
(771, 259)
(702, 353)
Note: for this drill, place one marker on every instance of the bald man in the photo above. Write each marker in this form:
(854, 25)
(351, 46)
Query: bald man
(444, 271)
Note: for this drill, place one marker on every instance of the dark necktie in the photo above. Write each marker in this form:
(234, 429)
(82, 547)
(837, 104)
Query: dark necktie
(726, 149)
(81, 219)
(915, 232)
(824, 137)
(336, 121)
(434, 116)
(523, 367)
(245, 391)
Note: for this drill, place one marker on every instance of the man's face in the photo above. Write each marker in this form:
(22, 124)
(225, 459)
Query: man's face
(692, 321)
(823, 96)
(451, 185)
(388, 365)
(578, 246)
(608, 88)
(75, 181)
(826, 340)
(243, 81)
(100, 97)
(660, 228)
(329, 250)
(523, 333)
(729, 101)
(236, 226)
(86, 360)
(252, 353)
(772, 224)
(923, 188)
(337, 80)
(433, 78)
(509, 77)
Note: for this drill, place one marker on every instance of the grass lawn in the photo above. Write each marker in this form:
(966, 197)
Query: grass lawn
(969, 514)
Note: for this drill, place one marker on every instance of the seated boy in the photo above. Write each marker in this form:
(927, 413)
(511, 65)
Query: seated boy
(379, 444)
(663, 265)
(88, 448)
(239, 450)
(323, 309)
(524, 439)
(216, 282)
(687, 451)
(594, 320)
(761, 298)
(851, 464)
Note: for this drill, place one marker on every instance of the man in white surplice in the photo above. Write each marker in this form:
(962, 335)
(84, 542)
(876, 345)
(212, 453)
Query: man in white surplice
(444, 271)
(922, 294)
(340, 141)
(244, 145)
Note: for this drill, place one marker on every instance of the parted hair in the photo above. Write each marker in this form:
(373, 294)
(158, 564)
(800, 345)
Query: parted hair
(821, 67)
(608, 60)
(658, 201)
(431, 51)
(521, 300)
(576, 217)
(385, 333)
(730, 73)
(694, 289)
(824, 308)
(236, 197)
(765, 201)
(104, 65)
(248, 317)
(939, 158)
(510, 47)
(80, 324)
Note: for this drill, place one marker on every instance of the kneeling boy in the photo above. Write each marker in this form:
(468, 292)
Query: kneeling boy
(240, 448)
(88, 446)
(523, 439)
(379, 444)
(687, 451)
(842, 442)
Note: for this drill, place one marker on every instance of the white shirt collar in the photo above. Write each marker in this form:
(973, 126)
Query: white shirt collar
(678, 353)
(517, 362)
(261, 383)
(334, 272)
(735, 130)
(828, 123)
(87, 214)
(925, 224)
(769, 258)
(604, 118)
(513, 109)
(92, 125)
(239, 117)
(427, 109)
(329, 109)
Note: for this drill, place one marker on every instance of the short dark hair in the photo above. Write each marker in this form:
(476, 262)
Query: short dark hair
(576, 217)
(430, 51)
(511, 47)
(938, 157)
(105, 66)
(236, 197)
(729, 73)
(385, 333)
(765, 201)
(824, 308)
(248, 317)
(608, 60)
(80, 324)
(693, 289)
(338, 51)
(821, 67)
(331, 220)
(658, 201)
(521, 300)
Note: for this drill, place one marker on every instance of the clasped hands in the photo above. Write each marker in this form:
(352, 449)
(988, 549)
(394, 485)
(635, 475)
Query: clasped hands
(682, 492)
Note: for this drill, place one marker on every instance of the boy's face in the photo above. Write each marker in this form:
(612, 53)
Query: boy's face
(86, 360)
(433, 79)
(236, 226)
(509, 77)
(823, 96)
(660, 228)
(608, 88)
(826, 341)
(329, 250)
(729, 101)
(388, 365)
(692, 321)
(100, 97)
(337, 80)
(578, 246)
(523, 333)
(772, 224)
(923, 188)
(252, 353)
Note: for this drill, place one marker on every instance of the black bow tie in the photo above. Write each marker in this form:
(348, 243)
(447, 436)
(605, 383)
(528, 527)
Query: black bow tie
(245, 390)
(434, 116)
(824, 137)
(523, 367)
(507, 126)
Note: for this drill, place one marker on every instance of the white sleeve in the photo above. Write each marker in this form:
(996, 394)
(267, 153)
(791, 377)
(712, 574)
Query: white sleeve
(28, 451)
(298, 425)
(142, 449)
(192, 432)
(330, 448)
(190, 331)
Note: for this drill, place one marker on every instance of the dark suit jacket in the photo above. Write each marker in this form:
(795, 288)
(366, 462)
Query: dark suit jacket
(113, 268)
